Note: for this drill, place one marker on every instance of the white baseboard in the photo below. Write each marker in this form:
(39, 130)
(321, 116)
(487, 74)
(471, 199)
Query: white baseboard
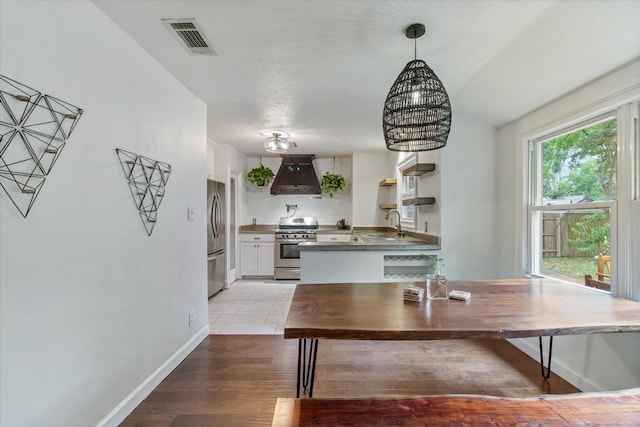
(124, 408)
(532, 349)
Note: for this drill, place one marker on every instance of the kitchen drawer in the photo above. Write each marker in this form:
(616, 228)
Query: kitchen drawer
(342, 237)
(250, 237)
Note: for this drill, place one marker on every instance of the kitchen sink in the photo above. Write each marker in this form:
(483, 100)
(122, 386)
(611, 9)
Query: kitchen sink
(373, 237)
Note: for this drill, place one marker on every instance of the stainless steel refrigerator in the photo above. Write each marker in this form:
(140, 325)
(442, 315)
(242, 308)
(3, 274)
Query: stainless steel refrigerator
(216, 265)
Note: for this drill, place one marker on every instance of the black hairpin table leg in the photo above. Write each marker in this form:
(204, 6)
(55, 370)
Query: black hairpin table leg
(546, 373)
(306, 365)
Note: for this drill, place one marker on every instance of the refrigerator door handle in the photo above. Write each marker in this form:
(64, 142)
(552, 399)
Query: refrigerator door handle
(218, 215)
(219, 212)
(215, 220)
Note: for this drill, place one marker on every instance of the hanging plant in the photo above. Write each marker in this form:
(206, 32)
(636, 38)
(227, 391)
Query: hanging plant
(332, 182)
(260, 176)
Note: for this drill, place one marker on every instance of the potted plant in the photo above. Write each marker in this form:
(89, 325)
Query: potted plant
(332, 182)
(260, 176)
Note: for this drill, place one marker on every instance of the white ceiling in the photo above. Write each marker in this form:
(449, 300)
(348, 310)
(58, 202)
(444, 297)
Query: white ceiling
(321, 69)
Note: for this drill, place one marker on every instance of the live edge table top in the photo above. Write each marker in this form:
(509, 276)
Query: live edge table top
(497, 309)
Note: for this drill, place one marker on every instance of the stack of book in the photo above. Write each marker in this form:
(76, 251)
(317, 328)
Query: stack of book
(413, 293)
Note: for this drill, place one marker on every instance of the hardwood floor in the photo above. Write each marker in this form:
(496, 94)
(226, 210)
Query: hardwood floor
(234, 380)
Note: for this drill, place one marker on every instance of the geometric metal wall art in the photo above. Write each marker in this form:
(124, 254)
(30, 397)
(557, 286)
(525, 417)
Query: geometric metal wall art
(147, 181)
(34, 129)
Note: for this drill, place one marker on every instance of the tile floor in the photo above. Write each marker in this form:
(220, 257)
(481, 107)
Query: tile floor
(252, 307)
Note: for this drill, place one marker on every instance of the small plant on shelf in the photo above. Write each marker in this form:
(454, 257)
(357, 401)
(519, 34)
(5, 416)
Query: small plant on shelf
(260, 176)
(332, 182)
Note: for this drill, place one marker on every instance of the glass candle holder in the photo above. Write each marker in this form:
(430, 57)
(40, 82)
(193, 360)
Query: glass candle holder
(437, 286)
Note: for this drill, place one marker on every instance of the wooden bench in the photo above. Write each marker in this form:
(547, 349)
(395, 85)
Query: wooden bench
(608, 408)
(604, 274)
(598, 284)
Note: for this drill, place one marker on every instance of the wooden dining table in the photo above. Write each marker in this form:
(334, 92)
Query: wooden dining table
(497, 309)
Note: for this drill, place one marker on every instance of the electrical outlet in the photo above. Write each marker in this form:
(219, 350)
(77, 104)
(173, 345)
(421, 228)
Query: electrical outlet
(426, 226)
(192, 317)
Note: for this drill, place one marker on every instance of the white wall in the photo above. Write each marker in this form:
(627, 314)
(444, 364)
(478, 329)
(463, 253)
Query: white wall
(368, 170)
(266, 208)
(91, 307)
(596, 362)
(510, 204)
(468, 200)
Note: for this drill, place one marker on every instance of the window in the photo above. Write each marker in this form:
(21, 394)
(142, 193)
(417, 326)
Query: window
(581, 180)
(572, 196)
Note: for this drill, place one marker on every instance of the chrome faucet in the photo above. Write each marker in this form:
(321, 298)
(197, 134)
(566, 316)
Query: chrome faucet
(398, 223)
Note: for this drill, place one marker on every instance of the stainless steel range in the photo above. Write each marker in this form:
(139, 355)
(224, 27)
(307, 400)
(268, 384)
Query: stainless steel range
(292, 231)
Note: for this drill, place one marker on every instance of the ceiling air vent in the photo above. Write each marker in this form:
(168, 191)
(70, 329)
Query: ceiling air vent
(190, 35)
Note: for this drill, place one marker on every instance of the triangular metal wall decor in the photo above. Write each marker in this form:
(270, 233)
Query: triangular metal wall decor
(147, 181)
(34, 129)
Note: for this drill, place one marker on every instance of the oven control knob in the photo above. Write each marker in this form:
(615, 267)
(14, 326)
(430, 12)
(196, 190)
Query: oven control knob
(286, 236)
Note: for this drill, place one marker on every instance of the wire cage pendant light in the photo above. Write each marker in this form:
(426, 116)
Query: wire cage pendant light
(417, 111)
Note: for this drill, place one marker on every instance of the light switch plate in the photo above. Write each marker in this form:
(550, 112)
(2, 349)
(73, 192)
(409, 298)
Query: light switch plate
(191, 214)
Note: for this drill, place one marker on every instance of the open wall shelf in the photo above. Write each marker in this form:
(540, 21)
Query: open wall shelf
(418, 201)
(388, 182)
(419, 169)
(147, 181)
(34, 128)
(388, 206)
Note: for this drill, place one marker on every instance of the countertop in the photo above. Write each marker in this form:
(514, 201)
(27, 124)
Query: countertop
(377, 239)
(332, 229)
(271, 228)
(368, 239)
(258, 229)
(382, 245)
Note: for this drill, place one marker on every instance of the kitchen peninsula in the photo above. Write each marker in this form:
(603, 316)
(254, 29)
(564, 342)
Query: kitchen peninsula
(369, 256)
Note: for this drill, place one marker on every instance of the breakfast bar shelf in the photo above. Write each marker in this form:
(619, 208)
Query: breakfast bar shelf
(408, 267)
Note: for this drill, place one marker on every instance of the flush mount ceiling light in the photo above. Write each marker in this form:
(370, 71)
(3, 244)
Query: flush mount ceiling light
(277, 142)
(417, 112)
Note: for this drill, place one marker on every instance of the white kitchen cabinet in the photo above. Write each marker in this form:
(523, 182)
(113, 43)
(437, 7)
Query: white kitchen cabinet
(211, 161)
(257, 254)
(337, 237)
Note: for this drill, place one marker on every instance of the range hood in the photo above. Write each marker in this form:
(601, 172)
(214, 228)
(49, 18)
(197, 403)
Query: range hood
(296, 176)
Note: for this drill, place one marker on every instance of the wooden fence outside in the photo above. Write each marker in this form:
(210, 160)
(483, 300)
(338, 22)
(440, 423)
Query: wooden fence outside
(557, 231)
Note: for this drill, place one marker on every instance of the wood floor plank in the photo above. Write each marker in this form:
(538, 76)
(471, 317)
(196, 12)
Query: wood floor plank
(235, 380)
